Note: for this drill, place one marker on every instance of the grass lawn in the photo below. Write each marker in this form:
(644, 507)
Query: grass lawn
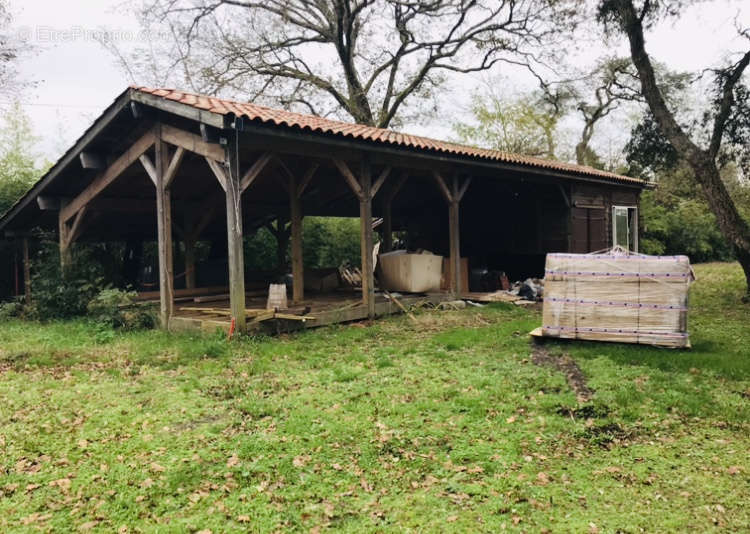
(442, 426)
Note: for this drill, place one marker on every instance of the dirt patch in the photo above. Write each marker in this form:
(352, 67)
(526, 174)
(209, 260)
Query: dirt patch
(566, 365)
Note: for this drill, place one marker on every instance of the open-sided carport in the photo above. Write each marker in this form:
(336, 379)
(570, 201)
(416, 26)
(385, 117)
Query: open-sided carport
(162, 164)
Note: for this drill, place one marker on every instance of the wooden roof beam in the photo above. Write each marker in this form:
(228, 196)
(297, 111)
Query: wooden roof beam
(103, 180)
(192, 142)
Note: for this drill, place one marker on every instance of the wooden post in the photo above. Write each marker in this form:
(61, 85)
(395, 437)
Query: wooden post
(366, 239)
(455, 248)
(295, 213)
(26, 271)
(453, 196)
(164, 233)
(235, 245)
(62, 233)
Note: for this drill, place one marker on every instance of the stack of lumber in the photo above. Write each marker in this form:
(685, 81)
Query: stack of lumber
(617, 296)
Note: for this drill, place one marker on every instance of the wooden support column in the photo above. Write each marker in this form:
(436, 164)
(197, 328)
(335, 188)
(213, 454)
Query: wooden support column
(235, 244)
(366, 239)
(453, 196)
(234, 184)
(295, 214)
(164, 232)
(455, 247)
(26, 270)
(63, 235)
(364, 189)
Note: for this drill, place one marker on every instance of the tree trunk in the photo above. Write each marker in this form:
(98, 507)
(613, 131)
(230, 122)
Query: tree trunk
(734, 228)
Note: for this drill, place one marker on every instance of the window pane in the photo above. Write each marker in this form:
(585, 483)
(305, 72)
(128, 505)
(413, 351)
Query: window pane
(621, 231)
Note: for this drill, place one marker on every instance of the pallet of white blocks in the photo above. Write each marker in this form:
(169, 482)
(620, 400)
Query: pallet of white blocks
(617, 296)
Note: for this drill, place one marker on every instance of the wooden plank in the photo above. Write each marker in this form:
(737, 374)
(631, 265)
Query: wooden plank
(164, 230)
(254, 171)
(108, 176)
(147, 295)
(233, 194)
(192, 142)
(401, 306)
(366, 240)
(292, 317)
(298, 269)
(349, 177)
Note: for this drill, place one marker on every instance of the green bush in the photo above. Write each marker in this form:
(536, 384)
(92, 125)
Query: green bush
(681, 226)
(61, 295)
(10, 309)
(119, 309)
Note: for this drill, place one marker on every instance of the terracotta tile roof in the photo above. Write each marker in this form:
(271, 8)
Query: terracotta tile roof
(312, 123)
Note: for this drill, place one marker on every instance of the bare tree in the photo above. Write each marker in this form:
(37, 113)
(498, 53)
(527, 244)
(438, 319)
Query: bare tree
(631, 19)
(12, 49)
(363, 57)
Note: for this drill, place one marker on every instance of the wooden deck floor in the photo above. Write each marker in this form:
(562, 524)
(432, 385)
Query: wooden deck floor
(317, 310)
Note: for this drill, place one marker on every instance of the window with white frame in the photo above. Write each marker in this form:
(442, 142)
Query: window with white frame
(625, 227)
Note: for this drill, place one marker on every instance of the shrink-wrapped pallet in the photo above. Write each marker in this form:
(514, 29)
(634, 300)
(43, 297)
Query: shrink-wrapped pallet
(617, 296)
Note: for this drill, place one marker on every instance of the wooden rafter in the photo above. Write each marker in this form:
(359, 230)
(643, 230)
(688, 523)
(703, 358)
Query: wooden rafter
(103, 180)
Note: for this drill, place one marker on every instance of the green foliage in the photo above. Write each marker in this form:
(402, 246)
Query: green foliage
(260, 251)
(330, 241)
(522, 125)
(10, 309)
(647, 150)
(119, 309)
(676, 219)
(18, 169)
(59, 294)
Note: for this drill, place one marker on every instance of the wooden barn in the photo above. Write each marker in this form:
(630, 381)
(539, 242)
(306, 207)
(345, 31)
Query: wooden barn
(179, 169)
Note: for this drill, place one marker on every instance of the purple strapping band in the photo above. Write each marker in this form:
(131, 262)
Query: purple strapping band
(607, 274)
(614, 303)
(616, 331)
(616, 257)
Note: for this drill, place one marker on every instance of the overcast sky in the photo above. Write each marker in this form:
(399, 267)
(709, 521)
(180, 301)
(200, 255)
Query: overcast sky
(76, 78)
